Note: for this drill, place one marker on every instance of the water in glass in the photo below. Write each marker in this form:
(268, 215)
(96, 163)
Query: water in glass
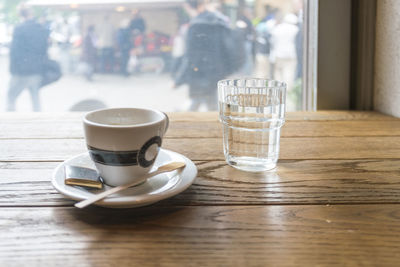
(252, 118)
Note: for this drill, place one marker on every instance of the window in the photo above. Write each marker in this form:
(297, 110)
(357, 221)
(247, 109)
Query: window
(139, 52)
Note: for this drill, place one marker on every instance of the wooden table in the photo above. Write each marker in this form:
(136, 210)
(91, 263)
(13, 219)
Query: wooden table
(333, 199)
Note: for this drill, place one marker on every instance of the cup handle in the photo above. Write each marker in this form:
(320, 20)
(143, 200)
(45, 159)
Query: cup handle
(167, 123)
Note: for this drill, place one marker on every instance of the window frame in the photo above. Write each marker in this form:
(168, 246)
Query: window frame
(310, 55)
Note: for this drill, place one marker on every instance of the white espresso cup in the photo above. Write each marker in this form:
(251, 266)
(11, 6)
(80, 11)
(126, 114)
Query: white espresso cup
(124, 142)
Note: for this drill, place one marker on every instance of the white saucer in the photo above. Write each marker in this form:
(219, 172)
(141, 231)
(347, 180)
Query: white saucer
(154, 189)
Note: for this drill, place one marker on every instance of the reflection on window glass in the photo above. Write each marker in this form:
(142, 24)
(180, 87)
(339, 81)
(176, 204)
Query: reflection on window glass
(87, 54)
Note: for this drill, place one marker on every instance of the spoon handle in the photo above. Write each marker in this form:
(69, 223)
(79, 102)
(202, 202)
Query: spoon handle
(95, 198)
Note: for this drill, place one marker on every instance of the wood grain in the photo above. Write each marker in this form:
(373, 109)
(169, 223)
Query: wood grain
(329, 115)
(334, 198)
(211, 148)
(293, 182)
(209, 116)
(201, 129)
(349, 235)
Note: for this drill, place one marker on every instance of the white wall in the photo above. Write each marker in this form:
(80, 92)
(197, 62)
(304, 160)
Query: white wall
(387, 58)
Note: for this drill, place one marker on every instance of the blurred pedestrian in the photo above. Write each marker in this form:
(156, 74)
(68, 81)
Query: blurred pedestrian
(247, 31)
(265, 67)
(137, 23)
(124, 39)
(283, 52)
(178, 48)
(209, 52)
(89, 53)
(106, 45)
(28, 58)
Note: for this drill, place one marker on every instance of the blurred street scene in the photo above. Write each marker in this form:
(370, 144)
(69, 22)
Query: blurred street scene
(143, 53)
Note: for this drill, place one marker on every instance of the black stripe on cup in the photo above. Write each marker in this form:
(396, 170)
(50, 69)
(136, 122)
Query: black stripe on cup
(113, 158)
(124, 158)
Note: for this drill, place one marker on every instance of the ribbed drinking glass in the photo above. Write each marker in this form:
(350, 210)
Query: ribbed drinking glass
(252, 112)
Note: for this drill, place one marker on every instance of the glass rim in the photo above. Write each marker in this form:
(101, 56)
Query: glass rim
(281, 85)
